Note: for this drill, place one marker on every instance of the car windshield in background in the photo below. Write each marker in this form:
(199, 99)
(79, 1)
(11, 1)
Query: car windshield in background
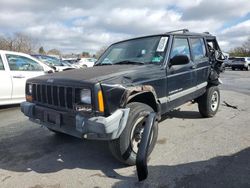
(237, 59)
(136, 51)
(50, 60)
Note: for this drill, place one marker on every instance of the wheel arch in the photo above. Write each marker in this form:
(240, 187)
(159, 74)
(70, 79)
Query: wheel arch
(143, 94)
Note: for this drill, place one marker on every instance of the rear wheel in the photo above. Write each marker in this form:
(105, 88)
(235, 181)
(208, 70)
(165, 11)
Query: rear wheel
(233, 68)
(209, 102)
(248, 68)
(126, 146)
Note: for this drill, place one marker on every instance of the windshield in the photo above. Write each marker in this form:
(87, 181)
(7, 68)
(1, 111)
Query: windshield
(50, 60)
(143, 51)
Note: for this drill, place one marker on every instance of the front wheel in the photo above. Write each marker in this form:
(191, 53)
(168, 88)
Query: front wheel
(209, 102)
(126, 146)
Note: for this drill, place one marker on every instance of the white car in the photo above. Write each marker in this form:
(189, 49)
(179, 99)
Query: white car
(57, 64)
(15, 69)
(87, 62)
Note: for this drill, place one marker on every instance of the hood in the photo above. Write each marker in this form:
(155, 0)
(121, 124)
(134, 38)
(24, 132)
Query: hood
(110, 74)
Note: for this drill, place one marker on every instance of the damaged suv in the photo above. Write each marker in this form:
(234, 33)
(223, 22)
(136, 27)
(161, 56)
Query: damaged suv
(111, 101)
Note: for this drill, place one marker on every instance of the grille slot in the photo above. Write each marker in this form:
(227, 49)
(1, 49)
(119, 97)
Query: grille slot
(57, 96)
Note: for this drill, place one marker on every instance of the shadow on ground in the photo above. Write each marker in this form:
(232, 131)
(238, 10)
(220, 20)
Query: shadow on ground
(180, 114)
(42, 151)
(5, 107)
(219, 172)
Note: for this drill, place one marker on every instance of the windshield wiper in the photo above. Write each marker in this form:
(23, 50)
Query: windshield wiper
(129, 62)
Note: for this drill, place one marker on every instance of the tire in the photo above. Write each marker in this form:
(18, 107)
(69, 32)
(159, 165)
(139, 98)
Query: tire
(84, 66)
(233, 68)
(248, 68)
(124, 148)
(209, 102)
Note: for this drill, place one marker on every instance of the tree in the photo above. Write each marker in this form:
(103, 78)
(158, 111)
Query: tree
(54, 52)
(100, 51)
(18, 42)
(243, 50)
(41, 51)
(85, 54)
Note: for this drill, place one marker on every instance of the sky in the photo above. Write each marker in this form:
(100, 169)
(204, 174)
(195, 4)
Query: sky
(88, 25)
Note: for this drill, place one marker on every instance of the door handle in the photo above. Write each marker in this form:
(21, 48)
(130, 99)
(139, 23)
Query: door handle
(18, 76)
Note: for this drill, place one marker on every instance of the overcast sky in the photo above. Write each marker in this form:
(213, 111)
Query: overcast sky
(87, 25)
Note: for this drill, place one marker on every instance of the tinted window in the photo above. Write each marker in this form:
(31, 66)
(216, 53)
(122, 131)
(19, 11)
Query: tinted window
(21, 63)
(180, 47)
(198, 48)
(1, 64)
(239, 59)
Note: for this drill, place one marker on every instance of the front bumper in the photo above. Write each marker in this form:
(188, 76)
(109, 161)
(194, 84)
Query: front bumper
(98, 128)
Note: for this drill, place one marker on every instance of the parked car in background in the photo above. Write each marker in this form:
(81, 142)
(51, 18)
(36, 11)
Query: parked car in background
(87, 62)
(15, 69)
(71, 64)
(53, 62)
(242, 63)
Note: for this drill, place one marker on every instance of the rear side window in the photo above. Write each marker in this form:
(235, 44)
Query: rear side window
(198, 48)
(180, 47)
(1, 64)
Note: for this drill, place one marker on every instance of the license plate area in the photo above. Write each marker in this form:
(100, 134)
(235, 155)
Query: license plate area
(52, 117)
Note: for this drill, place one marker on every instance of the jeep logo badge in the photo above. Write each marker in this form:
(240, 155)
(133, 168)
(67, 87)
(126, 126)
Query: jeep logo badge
(50, 80)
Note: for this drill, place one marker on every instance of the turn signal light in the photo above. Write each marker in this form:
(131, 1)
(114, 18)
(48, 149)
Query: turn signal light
(29, 98)
(100, 101)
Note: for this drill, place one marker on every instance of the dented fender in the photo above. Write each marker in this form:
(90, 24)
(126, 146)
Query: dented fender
(116, 95)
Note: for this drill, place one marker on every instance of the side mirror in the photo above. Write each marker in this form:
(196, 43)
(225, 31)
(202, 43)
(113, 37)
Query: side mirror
(179, 60)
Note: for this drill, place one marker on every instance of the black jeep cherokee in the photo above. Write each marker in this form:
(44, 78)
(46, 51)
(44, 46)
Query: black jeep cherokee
(132, 78)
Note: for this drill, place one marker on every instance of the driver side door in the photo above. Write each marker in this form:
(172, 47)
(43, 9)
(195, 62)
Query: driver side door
(22, 68)
(180, 78)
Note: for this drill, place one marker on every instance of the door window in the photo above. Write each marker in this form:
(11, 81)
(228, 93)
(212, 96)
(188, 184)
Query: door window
(180, 47)
(198, 48)
(21, 63)
(1, 64)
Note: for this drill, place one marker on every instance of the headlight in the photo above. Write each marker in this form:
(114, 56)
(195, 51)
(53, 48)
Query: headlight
(86, 96)
(29, 89)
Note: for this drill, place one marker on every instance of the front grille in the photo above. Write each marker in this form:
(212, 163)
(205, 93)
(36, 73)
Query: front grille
(57, 96)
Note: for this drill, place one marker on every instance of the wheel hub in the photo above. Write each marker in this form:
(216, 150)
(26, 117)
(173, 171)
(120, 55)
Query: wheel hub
(214, 100)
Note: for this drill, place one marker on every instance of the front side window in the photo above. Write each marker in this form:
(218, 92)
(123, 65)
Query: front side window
(1, 63)
(180, 47)
(198, 48)
(143, 50)
(21, 63)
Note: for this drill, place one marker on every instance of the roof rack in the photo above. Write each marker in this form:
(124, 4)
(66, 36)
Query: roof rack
(179, 30)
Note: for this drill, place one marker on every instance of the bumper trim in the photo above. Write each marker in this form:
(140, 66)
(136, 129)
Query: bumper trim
(98, 128)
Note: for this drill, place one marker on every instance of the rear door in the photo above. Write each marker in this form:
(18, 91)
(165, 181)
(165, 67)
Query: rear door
(200, 59)
(6, 83)
(21, 69)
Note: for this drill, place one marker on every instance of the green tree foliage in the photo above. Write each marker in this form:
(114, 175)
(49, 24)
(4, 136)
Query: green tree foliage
(41, 51)
(242, 51)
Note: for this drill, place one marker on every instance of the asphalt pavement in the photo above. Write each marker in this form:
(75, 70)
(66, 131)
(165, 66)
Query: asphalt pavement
(190, 152)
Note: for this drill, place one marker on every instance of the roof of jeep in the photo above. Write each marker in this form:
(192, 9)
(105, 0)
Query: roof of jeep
(174, 33)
